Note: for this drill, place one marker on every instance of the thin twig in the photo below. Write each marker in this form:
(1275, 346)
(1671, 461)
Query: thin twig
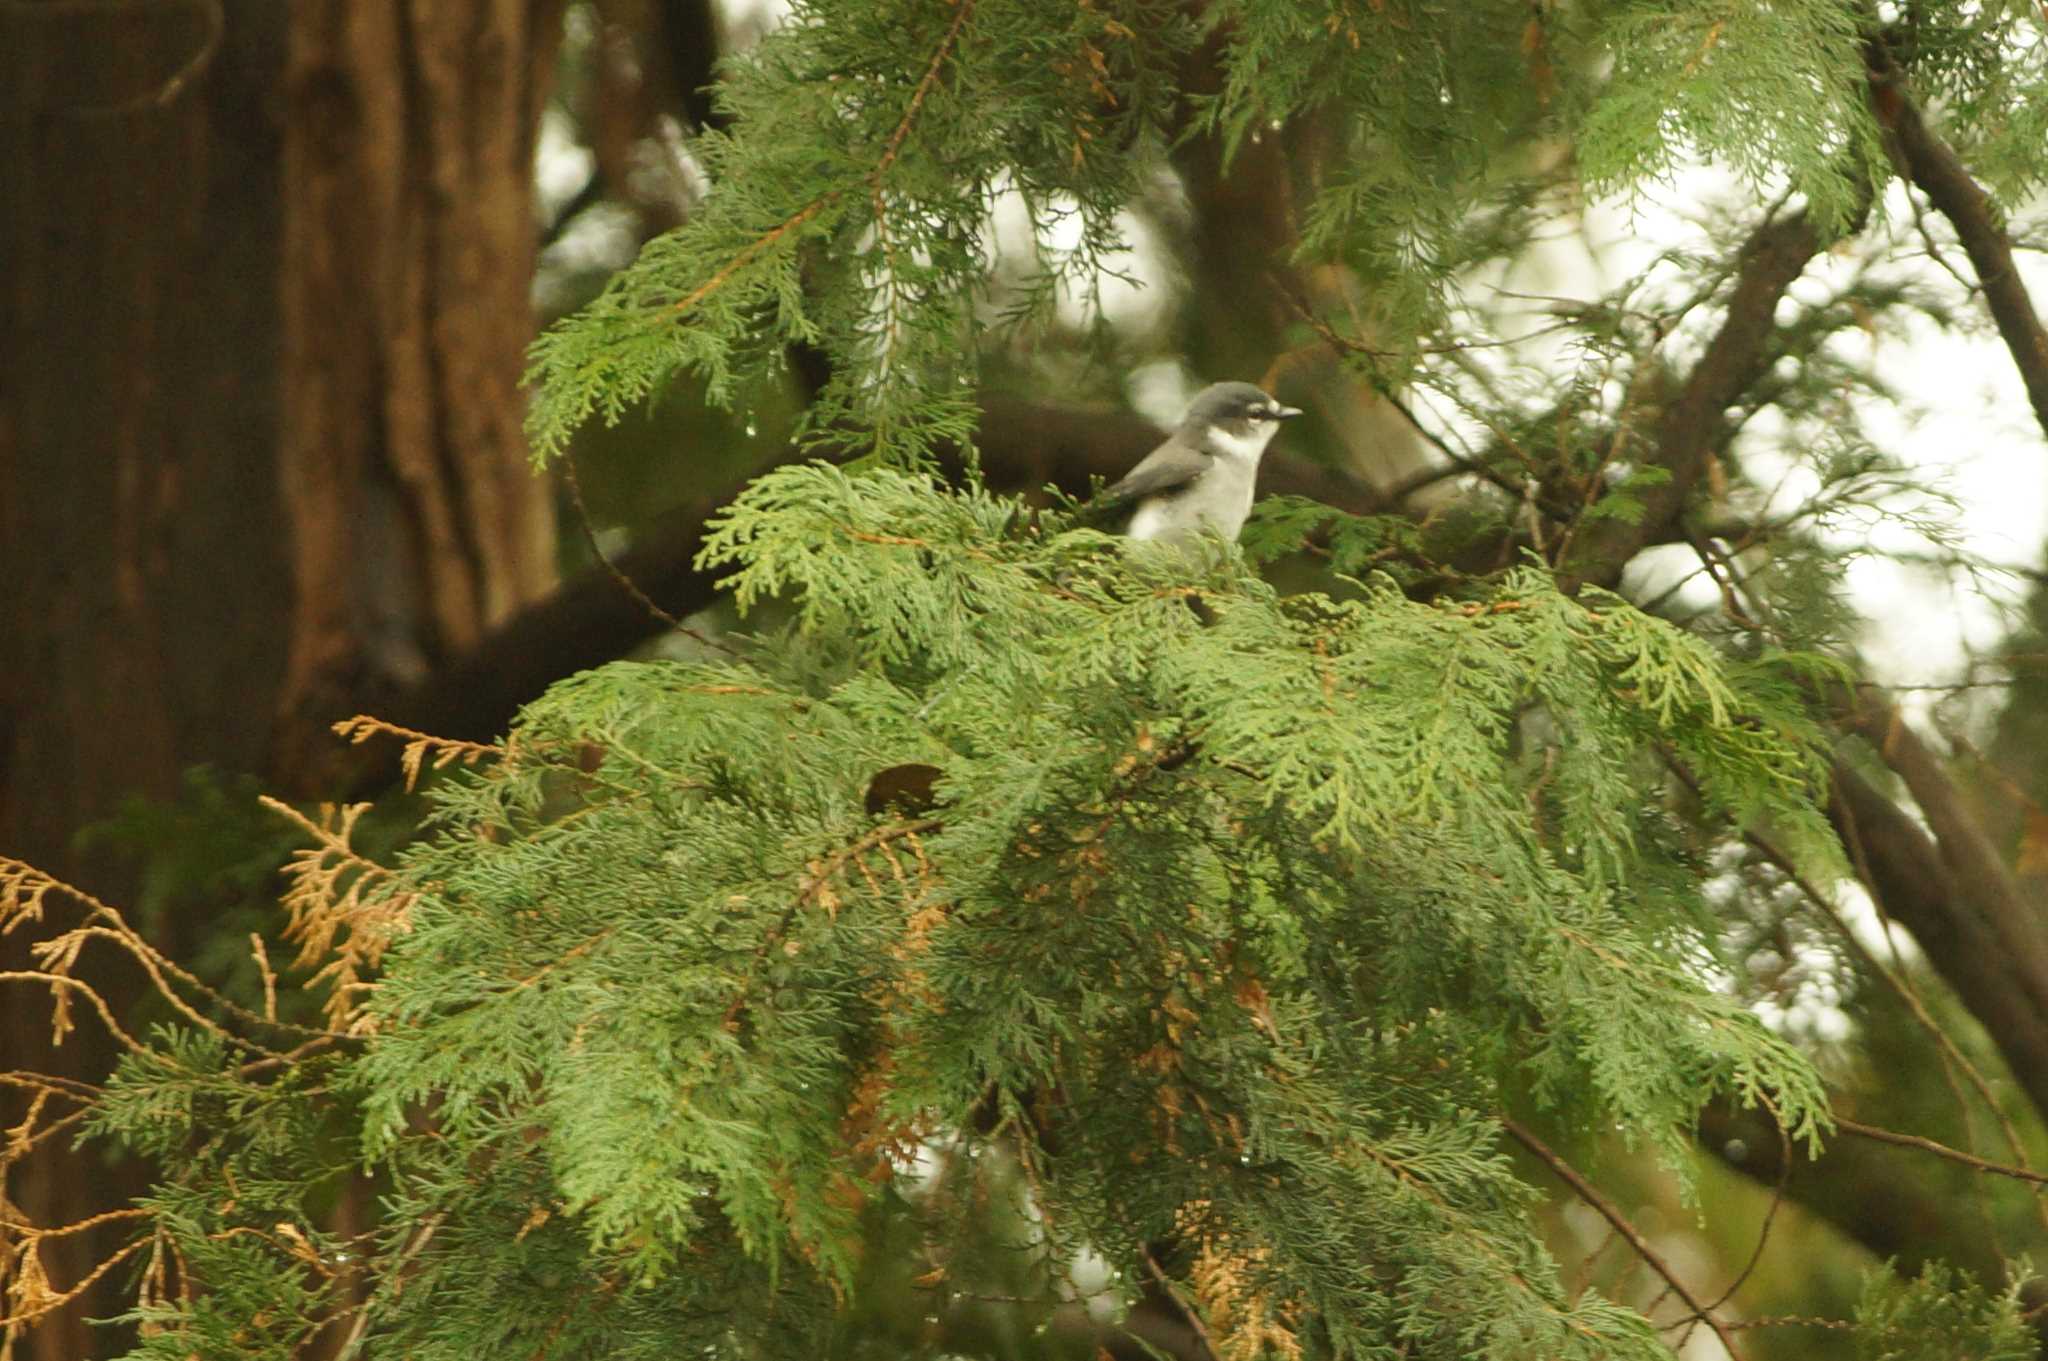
(1895, 981)
(808, 890)
(28, 1230)
(962, 8)
(51, 1302)
(156, 976)
(1690, 426)
(1730, 601)
(21, 1144)
(1187, 1310)
(1939, 1150)
(1953, 1058)
(414, 1245)
(57, 981)
(1343, 344)
(753, 248)
(1791, 1321)
(159, 965)
(611, 569)
(1587, 1192)
(1763, 1233)
(54, 1083)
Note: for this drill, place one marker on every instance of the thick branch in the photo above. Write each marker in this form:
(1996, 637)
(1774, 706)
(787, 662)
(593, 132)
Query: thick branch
(590, 621)
(1951, 890)
(1775, 254)
(1937, 172)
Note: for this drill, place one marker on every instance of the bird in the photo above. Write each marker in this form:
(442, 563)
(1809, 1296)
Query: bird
(1201, 477)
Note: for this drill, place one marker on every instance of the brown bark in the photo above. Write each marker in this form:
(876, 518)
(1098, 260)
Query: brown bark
(1935, 169)
(138, 620)
(265, 301)
(415, 524)
(1690, 427)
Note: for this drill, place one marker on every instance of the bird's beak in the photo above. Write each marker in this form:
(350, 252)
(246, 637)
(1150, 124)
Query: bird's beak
(1286, 413)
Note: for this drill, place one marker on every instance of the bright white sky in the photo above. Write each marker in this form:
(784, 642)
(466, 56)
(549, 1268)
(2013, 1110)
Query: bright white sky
(1962, 419)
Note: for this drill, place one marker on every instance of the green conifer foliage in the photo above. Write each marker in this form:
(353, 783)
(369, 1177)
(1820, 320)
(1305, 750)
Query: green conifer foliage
(853, 195)
(1238, 921)
(1235, 924)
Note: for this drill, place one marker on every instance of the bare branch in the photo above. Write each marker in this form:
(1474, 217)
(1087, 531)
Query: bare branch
(1689, 427)
(1939, 173)
(1589, 1193)
(1939, 1150)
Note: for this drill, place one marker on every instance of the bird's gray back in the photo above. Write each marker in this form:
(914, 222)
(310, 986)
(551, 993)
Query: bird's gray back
(1170, 467)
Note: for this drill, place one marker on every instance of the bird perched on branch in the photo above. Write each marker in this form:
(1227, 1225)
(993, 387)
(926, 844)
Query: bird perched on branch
(1202, 476)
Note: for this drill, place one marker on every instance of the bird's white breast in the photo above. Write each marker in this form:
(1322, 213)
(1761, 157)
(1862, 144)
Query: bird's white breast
(1220, 501)
(1246, 448)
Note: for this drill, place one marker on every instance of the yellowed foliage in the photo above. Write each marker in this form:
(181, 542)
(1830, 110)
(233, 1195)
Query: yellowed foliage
(421, 749)
(1246, 1322)
(344, 910)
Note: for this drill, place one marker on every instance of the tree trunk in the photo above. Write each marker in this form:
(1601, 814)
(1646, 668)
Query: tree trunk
(260, 453)
(408, 255)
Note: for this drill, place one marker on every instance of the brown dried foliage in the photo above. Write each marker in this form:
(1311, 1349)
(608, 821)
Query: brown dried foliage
(344, 911)
(421, 749)
(1244, 1320)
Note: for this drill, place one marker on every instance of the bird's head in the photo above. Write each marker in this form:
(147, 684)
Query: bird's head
(1233, 420)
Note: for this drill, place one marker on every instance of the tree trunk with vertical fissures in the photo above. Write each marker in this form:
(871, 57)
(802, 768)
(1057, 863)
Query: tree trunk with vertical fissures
(263, 317)
(408, 258)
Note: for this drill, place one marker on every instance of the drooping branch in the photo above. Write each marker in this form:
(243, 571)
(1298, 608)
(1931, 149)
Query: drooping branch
(1939, 173)
(1633, 1236)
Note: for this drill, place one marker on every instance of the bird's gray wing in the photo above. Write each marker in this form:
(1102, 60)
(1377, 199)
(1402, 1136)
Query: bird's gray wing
(1170, 467)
